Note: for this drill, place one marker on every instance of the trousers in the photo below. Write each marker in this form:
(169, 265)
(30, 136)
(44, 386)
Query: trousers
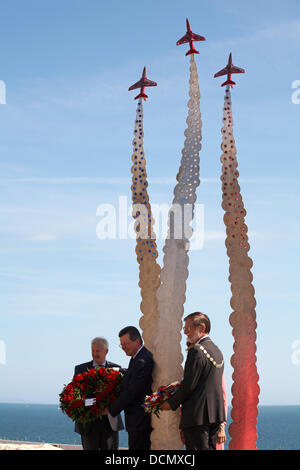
(100, 436)
(139, 440)
(202, 437)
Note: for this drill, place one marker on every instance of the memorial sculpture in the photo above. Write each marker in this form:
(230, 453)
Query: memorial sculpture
(162, 327)
(171, 293)
(245, 389)
(163, 289)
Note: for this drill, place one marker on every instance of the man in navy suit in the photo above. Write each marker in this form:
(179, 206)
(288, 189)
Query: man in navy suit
(101, 433)
(136, 385)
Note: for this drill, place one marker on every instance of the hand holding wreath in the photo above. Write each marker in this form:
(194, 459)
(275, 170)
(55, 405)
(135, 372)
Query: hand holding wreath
(156, 402)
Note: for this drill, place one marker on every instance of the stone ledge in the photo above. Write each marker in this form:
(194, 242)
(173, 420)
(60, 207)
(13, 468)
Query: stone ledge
(24, 445)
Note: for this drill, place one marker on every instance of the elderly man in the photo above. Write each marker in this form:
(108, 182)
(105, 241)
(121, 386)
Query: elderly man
(200, 391)
(136, 385)
(101, 433)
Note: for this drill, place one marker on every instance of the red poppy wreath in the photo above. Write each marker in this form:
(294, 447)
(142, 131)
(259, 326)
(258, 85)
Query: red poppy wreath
(104, 385)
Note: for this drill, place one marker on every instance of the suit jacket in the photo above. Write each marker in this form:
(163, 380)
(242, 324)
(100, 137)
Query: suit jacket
(135, 386)
(79, 427)
(200, 391)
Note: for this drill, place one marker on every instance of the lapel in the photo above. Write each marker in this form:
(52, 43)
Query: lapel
(141, 351)
(133, 359)
(130, 368)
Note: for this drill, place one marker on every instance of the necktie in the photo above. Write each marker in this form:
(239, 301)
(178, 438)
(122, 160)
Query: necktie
(130, 362)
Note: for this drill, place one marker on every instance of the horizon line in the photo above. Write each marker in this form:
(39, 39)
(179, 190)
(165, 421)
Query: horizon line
(127, 180)
(32, 403)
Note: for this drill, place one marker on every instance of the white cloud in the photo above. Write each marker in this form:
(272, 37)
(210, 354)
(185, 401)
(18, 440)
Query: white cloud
(53, 302)
(288, 30)
(43, 237)
(214, 235)
(221, 235)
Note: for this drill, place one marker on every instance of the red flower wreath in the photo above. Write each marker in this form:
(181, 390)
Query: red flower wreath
(103, 384)
(153, 402)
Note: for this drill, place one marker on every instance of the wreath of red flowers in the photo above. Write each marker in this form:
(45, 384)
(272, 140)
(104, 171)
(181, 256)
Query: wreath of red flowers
(102, 384)
(153, 402)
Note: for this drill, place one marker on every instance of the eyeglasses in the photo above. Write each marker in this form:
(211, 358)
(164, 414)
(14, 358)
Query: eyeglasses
(125, 344)
(188, 328)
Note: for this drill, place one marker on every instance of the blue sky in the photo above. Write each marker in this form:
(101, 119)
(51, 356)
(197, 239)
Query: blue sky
(65, 145)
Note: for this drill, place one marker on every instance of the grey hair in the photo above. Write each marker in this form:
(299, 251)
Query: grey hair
(100, 341)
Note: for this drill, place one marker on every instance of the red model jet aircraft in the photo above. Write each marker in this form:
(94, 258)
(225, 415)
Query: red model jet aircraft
(142, 83)
(229, 69)
(190, 37)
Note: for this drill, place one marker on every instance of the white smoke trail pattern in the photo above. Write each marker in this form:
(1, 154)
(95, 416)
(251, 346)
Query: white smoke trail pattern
(245, 389)
(146, 249)
(171, 293)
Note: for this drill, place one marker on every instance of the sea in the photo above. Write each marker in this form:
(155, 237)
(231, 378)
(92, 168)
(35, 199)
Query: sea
(278, 427)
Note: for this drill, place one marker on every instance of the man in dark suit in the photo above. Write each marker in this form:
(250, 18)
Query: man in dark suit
(136, 385)
(200, 391)
(102, 433)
